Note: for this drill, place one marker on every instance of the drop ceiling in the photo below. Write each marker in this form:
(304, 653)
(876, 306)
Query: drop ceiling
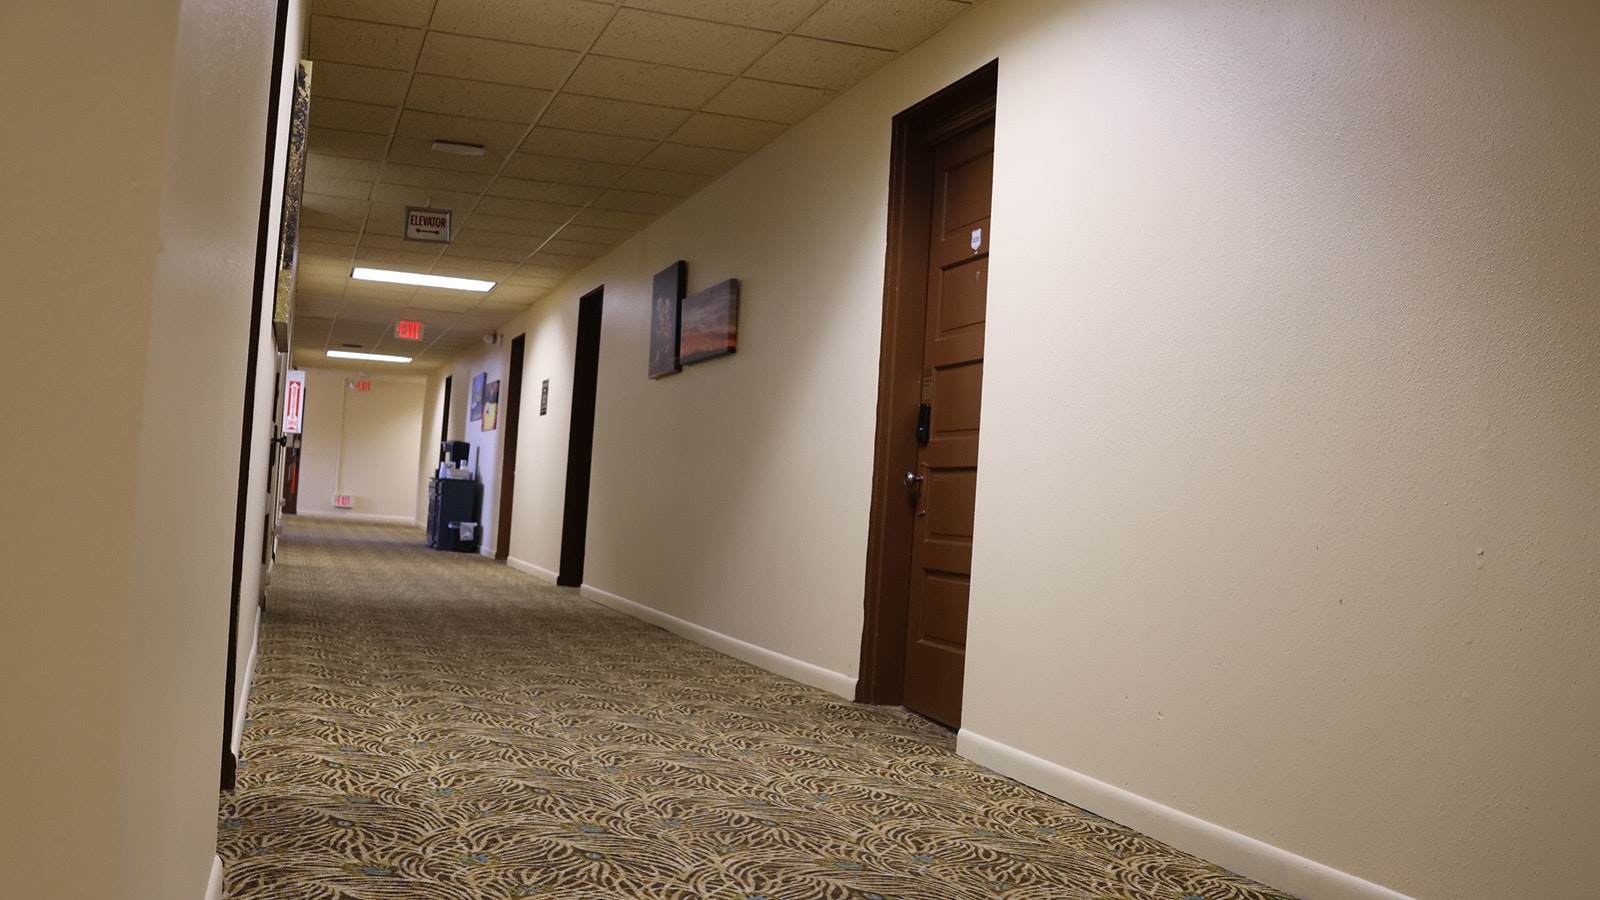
(595, 118)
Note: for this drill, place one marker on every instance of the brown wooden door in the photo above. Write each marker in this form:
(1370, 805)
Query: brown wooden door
(946, 477)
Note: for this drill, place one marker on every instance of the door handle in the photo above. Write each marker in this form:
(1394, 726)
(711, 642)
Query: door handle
(913, 481)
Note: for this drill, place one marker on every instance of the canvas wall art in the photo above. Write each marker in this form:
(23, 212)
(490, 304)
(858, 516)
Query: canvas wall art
(709, 323)
(665, 295)
(491, 406)
(475, 397)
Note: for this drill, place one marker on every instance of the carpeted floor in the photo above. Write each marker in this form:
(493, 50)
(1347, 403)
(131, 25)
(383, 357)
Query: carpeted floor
(434, 725)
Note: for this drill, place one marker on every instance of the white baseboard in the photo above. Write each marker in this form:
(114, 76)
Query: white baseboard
(214, 886)
(539, 572)
(772, 661)
(241, 708)
(1233, 851)
(364, 518)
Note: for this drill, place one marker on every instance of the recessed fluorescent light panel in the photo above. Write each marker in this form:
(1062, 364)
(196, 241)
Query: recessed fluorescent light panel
(421, 280)
(374, 357)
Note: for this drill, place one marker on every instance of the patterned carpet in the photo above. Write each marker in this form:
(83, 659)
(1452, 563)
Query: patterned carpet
(433, 725)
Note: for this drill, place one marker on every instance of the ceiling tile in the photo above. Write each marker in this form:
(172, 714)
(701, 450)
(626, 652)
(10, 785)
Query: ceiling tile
(324, 236)
(643, 82)
(442, 179)
(498, 254)
(587, 145)
(611, 218)
(534, 281)
(406, 195)
(399, 244)
(477, 268)
(363, 84)
(321, 165)
(636, 202)
(323, 251)
(752, 99)
(386, 219)
(569, 171)
(378, 258)
(698, 160)
(727, 132)
(482, 237)
(773, 15)
(501, 62)
(896, 25)
(412, 13)
(656, 181)
(618, 117)
(333, 142)
(560, 261)
(819, 64)
(477, 99)
(521, 189)
(347, 188)
(507, 225)
(340, 207)
(609, 237)
(351, 116)
(575, 249)
(566, 24)
(363, 43)
(672, 40)
(534, 210)
(533, 270)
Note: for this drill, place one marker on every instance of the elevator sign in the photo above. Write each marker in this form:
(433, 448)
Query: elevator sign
(432, 225)
(294, 401)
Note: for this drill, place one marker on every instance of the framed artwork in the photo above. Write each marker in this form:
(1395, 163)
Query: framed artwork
(709, 323)
(665, 296)
(491, 406)
(475, 397)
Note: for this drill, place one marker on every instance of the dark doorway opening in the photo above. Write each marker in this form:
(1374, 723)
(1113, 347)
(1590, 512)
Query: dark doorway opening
(580, 440)
(508, 451)
(444, 416)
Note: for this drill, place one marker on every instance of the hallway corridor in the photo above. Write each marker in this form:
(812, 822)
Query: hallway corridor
(433, 725)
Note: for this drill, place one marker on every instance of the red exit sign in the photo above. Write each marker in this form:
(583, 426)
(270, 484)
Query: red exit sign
(408, 331)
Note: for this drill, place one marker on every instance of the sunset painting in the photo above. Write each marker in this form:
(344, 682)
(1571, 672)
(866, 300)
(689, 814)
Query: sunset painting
(709, 323)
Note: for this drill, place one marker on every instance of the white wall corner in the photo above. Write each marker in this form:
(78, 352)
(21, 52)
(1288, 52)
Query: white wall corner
(539, 572)
(1265, 863)
(787, 666)
(214, 886)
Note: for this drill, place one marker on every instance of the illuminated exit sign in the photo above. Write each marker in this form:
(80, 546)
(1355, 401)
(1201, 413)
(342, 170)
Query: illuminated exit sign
(408, 331)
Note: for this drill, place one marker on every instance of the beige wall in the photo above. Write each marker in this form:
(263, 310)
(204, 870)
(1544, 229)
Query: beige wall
(362, 443)
(134, 139)
(1286, 514)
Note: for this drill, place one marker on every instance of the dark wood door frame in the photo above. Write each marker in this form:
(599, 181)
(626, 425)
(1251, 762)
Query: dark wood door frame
(580, 439)
(508, 449)
(889, 539)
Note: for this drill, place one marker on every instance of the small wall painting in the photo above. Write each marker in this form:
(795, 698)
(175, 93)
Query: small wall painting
(475, 397)
(665, 296)
(710, 323)
(491, 406)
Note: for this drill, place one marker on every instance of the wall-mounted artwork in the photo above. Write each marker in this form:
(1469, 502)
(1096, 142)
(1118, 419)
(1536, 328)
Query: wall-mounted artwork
(475, 398)
(709, 323)
(665, 295)
(293, 191)
(491, 406)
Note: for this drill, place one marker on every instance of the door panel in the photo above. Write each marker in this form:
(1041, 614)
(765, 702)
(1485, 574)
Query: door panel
(957, 299)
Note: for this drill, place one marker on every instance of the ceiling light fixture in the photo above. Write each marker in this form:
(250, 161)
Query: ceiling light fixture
(375, 357)
(420, 280)
(458, 148)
